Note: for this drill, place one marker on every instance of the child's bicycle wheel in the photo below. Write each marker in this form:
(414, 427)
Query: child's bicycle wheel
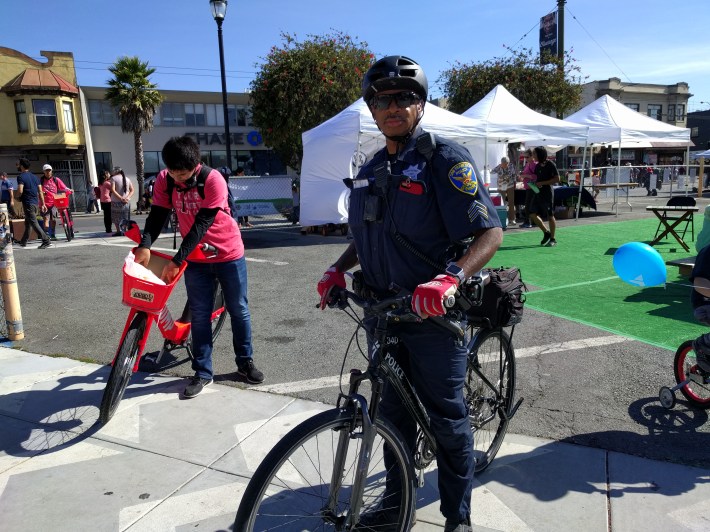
(685, 367)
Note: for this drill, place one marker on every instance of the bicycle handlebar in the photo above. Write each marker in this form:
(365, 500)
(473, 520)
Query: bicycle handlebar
(398, 308)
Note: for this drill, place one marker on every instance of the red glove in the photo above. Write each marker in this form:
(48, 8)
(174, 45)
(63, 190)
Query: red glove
(332, 277)
(428, 298)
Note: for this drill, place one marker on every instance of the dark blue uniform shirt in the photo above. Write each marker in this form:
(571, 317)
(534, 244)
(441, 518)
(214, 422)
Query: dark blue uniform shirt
(435, 205)
(30, 191)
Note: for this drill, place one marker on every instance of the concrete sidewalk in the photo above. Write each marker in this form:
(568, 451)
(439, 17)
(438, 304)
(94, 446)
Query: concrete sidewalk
(166, 464)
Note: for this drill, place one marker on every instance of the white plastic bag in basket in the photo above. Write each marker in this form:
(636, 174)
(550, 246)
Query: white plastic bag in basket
(139, 271)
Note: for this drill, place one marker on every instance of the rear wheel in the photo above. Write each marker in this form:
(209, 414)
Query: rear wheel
(489, 391)
(685, 367)
(301, 485)
(122, 368)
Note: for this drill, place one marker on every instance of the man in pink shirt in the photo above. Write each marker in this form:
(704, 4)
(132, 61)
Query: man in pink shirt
(203, 218)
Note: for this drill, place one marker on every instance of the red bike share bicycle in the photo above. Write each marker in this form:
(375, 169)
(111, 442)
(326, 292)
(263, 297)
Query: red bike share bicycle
(61, 202)
(147, 302)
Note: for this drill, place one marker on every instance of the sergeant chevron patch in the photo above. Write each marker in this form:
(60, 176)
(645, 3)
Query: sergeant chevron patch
(477, 209)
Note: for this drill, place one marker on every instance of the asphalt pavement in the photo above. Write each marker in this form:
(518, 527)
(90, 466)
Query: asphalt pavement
(167, 464)
(164, 463)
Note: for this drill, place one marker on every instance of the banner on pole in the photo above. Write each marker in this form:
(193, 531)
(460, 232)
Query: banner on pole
(548, 36)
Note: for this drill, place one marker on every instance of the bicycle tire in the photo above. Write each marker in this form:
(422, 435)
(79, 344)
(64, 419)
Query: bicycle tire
(122, 368)
(290, 481)
(697, 394)
(489, 409)
(63, 213)
(70, 221)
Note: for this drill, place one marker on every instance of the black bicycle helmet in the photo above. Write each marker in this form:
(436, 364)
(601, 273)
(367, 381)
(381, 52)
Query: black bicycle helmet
(394, 72)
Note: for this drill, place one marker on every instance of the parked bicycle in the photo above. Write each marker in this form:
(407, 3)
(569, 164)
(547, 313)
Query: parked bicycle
(329, 470)
(61, 202)
(148, 304)
(690, 380)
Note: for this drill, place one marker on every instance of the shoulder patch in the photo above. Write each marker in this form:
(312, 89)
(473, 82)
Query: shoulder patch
(463, 177)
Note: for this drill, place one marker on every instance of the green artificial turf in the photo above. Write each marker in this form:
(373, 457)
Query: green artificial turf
(576, 280)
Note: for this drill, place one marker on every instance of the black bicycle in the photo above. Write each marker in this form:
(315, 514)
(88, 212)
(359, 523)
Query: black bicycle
(330, 470)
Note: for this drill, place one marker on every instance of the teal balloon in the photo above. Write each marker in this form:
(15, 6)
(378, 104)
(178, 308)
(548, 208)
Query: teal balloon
(639, 264)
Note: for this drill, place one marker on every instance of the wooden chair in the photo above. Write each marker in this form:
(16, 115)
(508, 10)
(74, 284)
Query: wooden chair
(679, 201)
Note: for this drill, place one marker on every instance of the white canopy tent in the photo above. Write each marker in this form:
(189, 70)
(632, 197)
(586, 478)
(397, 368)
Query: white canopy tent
(702, 155)
(507, 119)
(612, 123)
(338, 147)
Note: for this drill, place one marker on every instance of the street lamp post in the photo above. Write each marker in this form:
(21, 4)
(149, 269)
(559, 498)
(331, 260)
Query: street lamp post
(219, 11)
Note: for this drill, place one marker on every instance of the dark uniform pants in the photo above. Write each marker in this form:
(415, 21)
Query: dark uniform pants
(437, 369)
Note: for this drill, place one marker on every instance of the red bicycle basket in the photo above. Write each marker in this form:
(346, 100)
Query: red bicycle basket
(61, 201)
(144, 295)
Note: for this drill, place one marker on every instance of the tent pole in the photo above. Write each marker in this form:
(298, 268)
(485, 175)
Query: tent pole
(581, 182)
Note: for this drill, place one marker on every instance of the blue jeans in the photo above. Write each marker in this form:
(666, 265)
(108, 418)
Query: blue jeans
(435, 364)
(199, 282)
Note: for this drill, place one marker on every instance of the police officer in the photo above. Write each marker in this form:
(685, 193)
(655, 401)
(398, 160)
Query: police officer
(417, 197)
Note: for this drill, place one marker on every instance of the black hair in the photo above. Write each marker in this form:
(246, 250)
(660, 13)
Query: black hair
(541, 154)
(181, 153)
(24, 163)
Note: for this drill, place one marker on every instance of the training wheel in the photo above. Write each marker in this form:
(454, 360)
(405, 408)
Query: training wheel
(667, 397)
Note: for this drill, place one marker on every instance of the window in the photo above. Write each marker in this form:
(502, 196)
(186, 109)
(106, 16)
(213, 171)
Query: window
(680, 112)
(101, 113)
(633, 106)
(173, 114)
(45, 115)
(103, 161)
(68, 112)
(153, 163)
(21, 116)
(671, 112)
(194, 114)
(212, 115)
(654, 110)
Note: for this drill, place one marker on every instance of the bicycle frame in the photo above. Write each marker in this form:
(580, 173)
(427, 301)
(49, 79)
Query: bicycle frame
(382, 366)
(174, 331)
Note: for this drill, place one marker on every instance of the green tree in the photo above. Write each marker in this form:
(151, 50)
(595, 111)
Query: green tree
(302, 84)
(136, 99)
(552, 87)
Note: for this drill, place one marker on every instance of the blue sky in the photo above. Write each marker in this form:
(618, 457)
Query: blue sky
(651, 41)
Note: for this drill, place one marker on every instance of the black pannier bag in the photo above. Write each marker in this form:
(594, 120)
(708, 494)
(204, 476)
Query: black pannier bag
(503, 298)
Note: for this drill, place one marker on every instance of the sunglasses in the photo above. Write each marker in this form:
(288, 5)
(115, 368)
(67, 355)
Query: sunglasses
(401, 99)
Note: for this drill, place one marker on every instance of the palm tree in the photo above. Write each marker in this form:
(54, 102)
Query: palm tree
(136, 98)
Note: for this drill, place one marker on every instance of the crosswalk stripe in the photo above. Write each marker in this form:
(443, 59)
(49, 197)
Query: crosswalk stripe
(328, 382)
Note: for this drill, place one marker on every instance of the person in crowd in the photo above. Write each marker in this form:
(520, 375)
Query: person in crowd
(121, 193)
(243, 220)
(202, 220)
(30, 190)
(51, 185)
(105, 198)
(7, 193)
(542, 202)
(506, 186)
(528, 176)
(434, 196)
(92, 202)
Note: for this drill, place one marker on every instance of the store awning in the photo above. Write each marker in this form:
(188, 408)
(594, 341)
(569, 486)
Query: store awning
(38, 81)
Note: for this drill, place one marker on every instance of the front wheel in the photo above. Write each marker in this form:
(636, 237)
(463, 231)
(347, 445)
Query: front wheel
(685, 367)
(306, 480)
(122, 368)
(489, 391)
(67, 222)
